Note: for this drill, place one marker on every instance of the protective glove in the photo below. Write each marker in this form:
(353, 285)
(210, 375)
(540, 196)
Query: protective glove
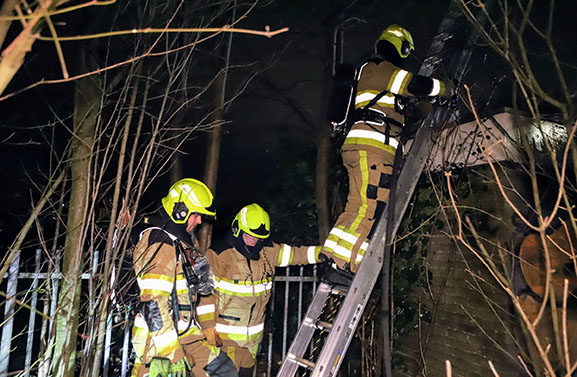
(212, 337)
(179, 368)
(159, 367)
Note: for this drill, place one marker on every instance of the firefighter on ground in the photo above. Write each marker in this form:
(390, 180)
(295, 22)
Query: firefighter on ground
(244, 265)
(369, 148)
(170, 274)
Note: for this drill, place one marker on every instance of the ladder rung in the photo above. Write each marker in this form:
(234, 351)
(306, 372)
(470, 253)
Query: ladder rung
(308, 321)
(340, 290)
(302, 362)
(323, 325)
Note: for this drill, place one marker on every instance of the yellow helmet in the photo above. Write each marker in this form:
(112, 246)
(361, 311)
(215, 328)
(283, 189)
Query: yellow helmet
(399, 37)
(188, 196)
(252, 219)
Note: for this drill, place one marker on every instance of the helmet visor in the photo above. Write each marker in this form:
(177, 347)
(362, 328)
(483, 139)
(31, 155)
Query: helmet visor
(261, 231)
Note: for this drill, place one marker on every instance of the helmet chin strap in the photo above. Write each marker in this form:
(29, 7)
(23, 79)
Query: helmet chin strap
(250, 252)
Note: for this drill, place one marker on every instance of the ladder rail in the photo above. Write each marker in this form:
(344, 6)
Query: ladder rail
(378, 253)
(352, 308)
(305, 332)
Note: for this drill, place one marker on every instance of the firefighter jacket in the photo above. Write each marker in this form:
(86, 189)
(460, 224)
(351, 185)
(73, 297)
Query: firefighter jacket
(376, 76)
(243, 283)
(159, 272)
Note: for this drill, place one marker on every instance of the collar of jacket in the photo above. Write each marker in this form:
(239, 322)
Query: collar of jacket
(161, 220)
(249, 252)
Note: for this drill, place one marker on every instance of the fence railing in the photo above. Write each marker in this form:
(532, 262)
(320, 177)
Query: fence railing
(292, 290)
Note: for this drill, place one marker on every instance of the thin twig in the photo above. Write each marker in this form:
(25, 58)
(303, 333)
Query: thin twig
(223, 29)
(493, 369)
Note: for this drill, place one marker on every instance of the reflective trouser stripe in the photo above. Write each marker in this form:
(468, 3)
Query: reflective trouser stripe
(364, 165)
(240, 333)
(206, 312)
(166, 343)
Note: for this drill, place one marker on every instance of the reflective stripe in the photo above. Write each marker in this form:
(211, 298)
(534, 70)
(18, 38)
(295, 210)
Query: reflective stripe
(364, 97)
(361, 252)
(398, 81)
(366, 134)
(242, 288)
(168, 349)
(181, 285)
(285, 255)
(165, 340)
(351, 238)
(140, 322)
(182, 325)
(436, 88)
(236, 288)
(205, 309)
(312, 254)
(362, 212)
(155, 284)
(329, 244)
(343, 252)
(240, 330)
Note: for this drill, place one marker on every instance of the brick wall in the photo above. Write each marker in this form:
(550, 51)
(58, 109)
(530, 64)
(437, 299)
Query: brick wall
(472, 321)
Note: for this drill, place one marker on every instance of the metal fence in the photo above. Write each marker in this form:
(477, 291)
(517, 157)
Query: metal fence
(23, 334)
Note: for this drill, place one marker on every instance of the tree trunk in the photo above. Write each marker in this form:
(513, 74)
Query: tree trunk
(81, 148)
(6, 11)
(321, 184)
(13, 56)
(333, 39)
(213, 150)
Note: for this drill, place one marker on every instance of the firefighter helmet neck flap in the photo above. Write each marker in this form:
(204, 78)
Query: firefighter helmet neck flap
(186, 197)
(252, 220)
(395, 43)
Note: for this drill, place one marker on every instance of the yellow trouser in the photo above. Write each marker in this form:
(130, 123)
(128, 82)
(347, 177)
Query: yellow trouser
(370, 175)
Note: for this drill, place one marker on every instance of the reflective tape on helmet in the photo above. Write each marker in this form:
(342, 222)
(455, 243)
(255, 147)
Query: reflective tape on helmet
(285, 256)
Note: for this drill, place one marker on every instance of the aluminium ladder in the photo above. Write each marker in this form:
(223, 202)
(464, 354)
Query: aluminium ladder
(342, 330)
(356, 296)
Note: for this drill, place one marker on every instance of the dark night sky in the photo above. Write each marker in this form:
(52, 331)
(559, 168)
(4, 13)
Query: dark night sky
(293, 62)
(258, 119)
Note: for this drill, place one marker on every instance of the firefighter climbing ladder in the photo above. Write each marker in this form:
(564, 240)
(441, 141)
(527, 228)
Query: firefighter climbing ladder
(342, 330)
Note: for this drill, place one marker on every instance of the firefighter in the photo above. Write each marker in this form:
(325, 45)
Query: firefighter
(170, 273)
(370, 145)
(244, 265)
